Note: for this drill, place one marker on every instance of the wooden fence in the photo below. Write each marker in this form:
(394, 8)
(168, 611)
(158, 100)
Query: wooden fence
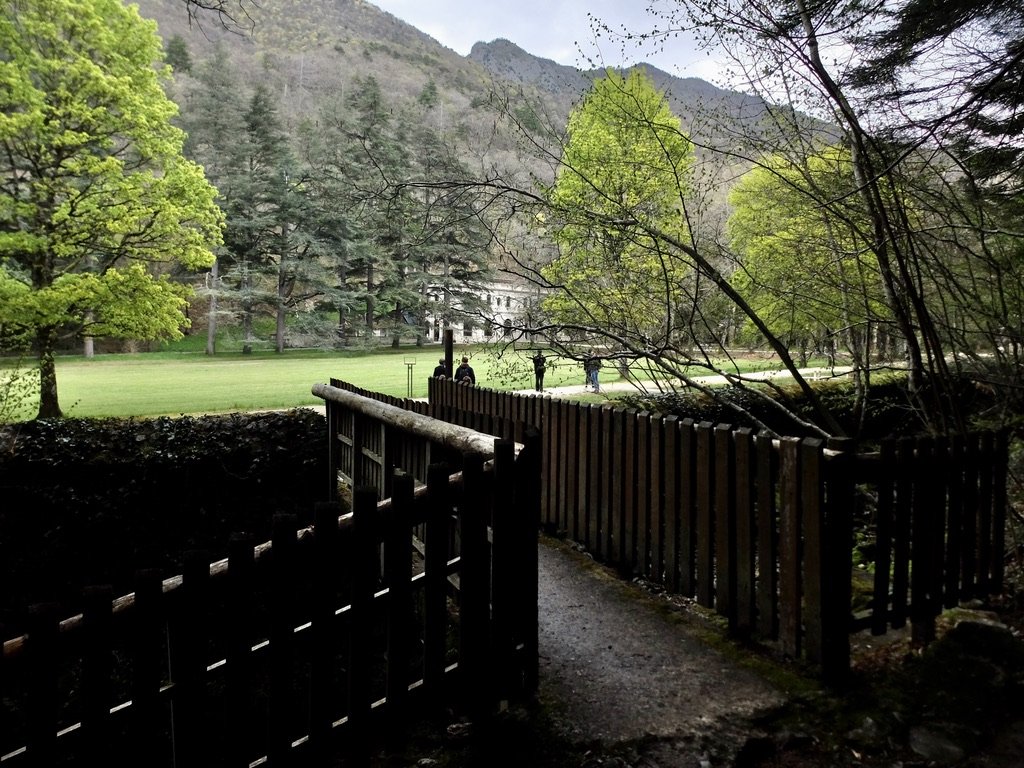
(320, 643)
(761, 529)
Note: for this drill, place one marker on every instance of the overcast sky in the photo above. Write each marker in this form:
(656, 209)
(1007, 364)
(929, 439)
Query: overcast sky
(552, 29)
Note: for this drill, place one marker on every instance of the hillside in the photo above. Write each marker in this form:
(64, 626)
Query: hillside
(312, 50)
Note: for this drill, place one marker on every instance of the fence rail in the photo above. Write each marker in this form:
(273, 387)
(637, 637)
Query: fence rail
(761, 529)
(321, 642)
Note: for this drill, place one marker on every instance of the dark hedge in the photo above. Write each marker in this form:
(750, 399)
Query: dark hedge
(90, 501)
(888, 412)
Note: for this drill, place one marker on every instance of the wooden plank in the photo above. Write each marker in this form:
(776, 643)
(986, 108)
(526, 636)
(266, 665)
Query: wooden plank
(97, 673)
(507, 548)
(628, 564)
(705, 534)
(921, 530)
(954, 524)
(1000, 465)
(746, 530)
(816, 573)
(615, 455)
(572, 464)
(582, 504)
(605, 485)
(595, 525)
(397, 576)
(42, 704)
(840, 493)
(969, 551)
(281, 606)
(724, 502)
(474, 588)
(147, 641)
(549, 435)
(435, 590)
(527, 505)
(323, 638)
(563, 410)
(671, 516)
(188, 659)
(656, 500)
(903, 470)
(767, 539)
(986, 554)
(789, 547)
(884, 524)
(239, 610)
(642, 488)
(938, 521)
(687, 468)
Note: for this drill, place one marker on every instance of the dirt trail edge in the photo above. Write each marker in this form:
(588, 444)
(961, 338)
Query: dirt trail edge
(619, 669)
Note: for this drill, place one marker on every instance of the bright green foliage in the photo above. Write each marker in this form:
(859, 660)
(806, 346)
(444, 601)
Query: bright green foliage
(807, 267)
(618, 194)
(92, 178)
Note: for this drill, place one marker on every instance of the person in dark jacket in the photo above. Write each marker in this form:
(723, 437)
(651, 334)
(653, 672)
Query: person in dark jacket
(441, 370)
(464, 374)
(538, 370)
(592, 366)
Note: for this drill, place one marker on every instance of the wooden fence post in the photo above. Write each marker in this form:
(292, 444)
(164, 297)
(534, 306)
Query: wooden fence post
(97, 672)
(527, 505)
(505, 573)
(725, 524)
(147, 647)
(239, 607)
(397, 574)
(188, 641)
(705, 536)
(323, 634)
(840, 494)
(746, 531)
(281, 600)
(767, 538)
(815, 554)
(789, 547)
(43, 701)
(475, 589)
(435, 598)
(364, 581)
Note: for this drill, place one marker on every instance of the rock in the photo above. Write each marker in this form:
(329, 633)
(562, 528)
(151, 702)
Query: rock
(935, 747)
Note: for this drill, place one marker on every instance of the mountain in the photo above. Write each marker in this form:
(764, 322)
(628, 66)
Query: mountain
(312, 50)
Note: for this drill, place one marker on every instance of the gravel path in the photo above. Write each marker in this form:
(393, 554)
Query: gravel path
(618, 668)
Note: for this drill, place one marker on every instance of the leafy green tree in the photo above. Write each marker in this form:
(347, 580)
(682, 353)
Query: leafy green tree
(623, 171)
(808, 269)
(93, 184)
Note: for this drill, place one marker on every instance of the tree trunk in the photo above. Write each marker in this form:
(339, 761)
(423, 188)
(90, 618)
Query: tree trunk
(49, 405)
(279, 329)
(211, 318)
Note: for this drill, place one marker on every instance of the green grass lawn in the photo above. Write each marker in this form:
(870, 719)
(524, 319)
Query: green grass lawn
(174, 382)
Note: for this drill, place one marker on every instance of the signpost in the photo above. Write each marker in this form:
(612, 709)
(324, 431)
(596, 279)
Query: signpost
(409, 363)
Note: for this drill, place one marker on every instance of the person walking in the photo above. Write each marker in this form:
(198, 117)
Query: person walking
(441, 370)
(538, 371)
(465, 374)
(592, 366)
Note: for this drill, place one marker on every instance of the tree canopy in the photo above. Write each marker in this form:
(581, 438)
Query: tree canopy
(95, 194)
(623, 171)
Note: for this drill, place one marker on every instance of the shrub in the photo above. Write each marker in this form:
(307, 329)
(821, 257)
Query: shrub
(90, 501)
